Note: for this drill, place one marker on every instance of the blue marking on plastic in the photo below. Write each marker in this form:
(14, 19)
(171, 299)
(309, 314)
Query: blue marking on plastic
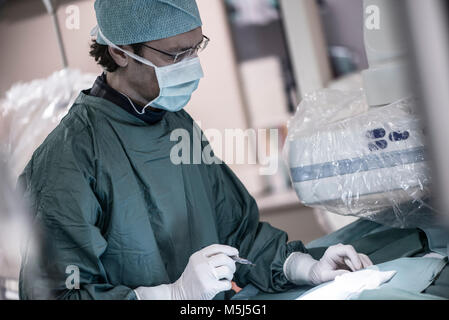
(399, 136)
(350, 166)
(373, 147)
(382, 144)
(376, 133)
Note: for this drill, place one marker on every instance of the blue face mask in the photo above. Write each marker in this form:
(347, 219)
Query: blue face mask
(177, 82)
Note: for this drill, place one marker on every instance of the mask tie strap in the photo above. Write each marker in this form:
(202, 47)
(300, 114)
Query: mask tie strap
(132, 55)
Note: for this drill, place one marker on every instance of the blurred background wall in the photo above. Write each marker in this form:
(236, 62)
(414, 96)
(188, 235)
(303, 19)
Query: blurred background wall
(30, 48)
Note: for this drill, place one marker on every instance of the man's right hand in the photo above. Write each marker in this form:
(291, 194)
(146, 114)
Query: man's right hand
(208, 273)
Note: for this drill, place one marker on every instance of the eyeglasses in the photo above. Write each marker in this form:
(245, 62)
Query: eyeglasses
(176, 57)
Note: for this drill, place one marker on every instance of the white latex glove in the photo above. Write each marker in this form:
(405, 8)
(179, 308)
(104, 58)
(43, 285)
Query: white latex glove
(302, 269)
(208, 273)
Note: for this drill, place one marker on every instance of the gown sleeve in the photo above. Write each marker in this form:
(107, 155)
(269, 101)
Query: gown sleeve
(58, 184)
(239, 226)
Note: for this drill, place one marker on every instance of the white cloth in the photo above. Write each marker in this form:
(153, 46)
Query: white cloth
(434, 255)
(162, 292)
(349, 285)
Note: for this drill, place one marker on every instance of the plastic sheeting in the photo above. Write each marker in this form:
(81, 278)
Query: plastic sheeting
(350, 159)
(30, 111)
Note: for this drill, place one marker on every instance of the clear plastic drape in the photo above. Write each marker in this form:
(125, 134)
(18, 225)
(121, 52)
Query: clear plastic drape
(350, 159)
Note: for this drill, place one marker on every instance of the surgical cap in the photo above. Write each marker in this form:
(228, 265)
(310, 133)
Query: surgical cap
(126, 22)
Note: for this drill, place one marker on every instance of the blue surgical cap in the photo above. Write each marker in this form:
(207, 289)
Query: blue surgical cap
(126, 22)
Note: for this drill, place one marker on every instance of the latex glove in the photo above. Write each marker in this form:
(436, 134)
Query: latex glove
(302, 269)
(208, 273)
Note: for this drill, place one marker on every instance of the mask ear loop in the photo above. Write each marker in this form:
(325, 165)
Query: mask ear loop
(132, 55)
(137, 111)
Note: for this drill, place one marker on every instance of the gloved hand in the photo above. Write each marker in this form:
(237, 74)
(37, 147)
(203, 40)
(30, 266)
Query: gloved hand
(208, 273)
(302, 269)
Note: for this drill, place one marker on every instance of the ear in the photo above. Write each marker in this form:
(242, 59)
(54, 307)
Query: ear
(120, 58)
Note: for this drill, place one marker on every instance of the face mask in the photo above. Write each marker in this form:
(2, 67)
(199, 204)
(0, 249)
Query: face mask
(177, 82)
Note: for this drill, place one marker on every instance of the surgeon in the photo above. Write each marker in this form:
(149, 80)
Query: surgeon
(122, 221)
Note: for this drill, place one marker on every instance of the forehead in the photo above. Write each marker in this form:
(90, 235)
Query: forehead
(180, 41)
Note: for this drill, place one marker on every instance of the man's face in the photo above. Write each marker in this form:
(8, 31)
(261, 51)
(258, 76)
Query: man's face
(142, 78)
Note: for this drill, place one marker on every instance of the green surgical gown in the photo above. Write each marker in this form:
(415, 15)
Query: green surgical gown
(107, 200)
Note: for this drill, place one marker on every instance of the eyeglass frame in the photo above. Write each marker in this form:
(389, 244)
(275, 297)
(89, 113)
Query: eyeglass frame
(175, 56)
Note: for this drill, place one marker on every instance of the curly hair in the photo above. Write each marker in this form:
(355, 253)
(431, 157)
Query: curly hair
(102, 56)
